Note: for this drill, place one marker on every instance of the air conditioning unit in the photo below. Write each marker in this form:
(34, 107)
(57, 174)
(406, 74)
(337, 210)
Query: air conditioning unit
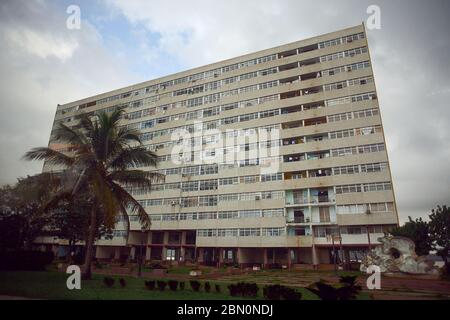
(349, 69)
(257, 197)
(174, 203)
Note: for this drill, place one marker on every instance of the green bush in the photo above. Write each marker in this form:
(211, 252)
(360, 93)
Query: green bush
(108, 281)
(195, 285)
(150, 285)
(279, 292)
(122, 282)
(161, 285)
(243, 289)
(181, 285)
(347, 290)
(173, 285)
(207, 287)
(217, 288)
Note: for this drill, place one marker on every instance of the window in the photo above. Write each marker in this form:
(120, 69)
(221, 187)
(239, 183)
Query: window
(250, 214)
(324, 214)
(189, 202)
(249, 232)
(227, 232)
(207, 215)
(147, 124)
(207, 201)
(208, 185)
(273, 232)
(228, 197)
(195, 102)
(348, 189)
(189, 186)
(271, 177)
(228, 215)
(270, 213)
(344, 152)
(249, 179)
(346, 170)
(207, 233)
(341, 134)
(228, 181)
(373, 167)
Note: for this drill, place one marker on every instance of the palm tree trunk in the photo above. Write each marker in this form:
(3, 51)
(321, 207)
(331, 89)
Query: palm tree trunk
(87, 272)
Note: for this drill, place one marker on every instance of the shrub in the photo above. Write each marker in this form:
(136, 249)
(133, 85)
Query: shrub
(161, 285)
(25, 260)
(348, 290)
(182, 285)
(207, 287)
(150, 285)
(195, 285)
(278, 292)
(243, 289)
(217, 288)
(173, 285)
(108, 281)
(122, 282)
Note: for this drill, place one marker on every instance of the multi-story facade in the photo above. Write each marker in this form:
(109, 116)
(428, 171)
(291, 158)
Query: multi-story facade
(317, 179)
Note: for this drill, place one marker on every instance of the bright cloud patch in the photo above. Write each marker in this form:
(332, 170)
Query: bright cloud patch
(41, 44)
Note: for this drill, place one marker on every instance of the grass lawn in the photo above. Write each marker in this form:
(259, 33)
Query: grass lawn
(52, 285)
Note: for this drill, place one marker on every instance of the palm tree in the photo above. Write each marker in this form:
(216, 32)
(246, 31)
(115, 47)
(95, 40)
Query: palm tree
(103, 162)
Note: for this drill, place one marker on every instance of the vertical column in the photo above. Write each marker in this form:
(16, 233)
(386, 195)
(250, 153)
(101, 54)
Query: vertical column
(266, 262)
(182, 248)
(133, 253)
(289, 257)
(315, 259)
(221, 254)
(148, 249)
(239, 256)
(117, 253)
(164, 247)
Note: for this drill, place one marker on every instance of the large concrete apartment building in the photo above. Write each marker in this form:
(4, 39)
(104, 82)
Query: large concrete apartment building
(312, 172)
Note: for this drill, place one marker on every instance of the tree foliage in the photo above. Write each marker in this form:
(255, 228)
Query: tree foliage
(418, 231)
(103, 163)
(439, 227)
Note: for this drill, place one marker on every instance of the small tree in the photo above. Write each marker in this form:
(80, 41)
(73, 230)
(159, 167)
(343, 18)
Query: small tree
(439, 227)
(418, 231)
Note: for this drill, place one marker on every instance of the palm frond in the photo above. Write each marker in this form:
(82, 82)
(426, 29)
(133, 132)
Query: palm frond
(69, 135)
(136, 178)
(132, 206)
(133, 157)
(51, 156)
(108, 201)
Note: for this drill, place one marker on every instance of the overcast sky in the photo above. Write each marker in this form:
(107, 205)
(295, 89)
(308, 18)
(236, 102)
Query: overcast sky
(42, 63)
